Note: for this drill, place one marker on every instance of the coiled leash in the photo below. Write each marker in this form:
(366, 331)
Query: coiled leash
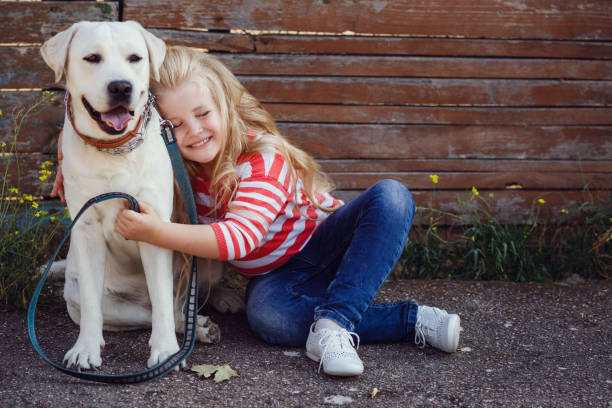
(190, 309)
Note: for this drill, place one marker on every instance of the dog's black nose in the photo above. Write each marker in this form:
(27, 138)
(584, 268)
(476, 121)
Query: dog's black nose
(120, 90)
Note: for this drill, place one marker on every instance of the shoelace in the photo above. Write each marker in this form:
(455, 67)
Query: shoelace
(419, 335)
(341, 335)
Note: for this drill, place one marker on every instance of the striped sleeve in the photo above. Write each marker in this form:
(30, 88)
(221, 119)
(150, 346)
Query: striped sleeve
(257, 203)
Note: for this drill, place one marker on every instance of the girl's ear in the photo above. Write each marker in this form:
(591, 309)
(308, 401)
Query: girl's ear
(156, 48)
(55, 50)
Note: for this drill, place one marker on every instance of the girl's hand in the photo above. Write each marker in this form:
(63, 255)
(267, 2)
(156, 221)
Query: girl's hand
(135, 226)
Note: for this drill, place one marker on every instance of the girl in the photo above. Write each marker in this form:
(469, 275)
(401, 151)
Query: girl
(314, 265)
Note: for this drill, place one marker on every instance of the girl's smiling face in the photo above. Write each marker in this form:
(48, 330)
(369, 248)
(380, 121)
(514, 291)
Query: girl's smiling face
(196, 120)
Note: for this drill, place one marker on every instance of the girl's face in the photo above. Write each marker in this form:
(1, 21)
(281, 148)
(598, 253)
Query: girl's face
(196, 120)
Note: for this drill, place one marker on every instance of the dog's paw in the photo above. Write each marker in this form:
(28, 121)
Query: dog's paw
(227, 300)
(85, 354)
(161, 349)
(208, 331)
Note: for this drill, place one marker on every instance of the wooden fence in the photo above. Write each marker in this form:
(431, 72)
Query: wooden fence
(513, 98)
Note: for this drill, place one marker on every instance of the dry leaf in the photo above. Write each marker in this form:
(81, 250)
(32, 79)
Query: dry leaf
(225, 372)
(373, 392)
(205, 370)
(222, 373)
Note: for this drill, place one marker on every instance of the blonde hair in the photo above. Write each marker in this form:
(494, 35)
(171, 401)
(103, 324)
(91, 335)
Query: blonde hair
(240, 112)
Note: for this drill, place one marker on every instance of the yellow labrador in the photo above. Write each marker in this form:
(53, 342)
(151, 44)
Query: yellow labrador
(111, 142)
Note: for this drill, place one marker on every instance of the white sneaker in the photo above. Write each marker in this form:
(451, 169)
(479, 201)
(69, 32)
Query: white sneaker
(335, 351)
(437, 328)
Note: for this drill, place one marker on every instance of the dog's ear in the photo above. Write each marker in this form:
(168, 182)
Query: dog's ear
(55, 50)
(156, 48)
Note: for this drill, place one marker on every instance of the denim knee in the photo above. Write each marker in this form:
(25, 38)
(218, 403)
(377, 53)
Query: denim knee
(271, 322)
(397, 199)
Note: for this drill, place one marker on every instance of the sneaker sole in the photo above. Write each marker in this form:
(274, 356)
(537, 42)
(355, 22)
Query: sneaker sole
(339, 372)
(453, 328)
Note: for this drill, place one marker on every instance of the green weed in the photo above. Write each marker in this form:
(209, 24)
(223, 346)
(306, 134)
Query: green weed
(27, 227)
(476, 246)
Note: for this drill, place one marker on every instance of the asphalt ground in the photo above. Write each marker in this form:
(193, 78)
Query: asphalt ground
(522, 345)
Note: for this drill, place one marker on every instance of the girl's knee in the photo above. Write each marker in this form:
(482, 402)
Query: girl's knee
(397, 198)
(273, 323)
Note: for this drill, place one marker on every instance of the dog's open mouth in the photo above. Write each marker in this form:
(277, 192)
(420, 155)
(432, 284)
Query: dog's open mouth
(113, 121)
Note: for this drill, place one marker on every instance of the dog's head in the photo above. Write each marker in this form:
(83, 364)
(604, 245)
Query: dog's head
(107, 67)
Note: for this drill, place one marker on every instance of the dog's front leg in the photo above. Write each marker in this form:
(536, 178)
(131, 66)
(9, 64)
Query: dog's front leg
(86, 260)
(157, 263)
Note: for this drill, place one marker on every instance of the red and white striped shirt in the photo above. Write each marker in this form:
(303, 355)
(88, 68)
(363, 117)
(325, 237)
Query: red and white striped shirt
(264, 224)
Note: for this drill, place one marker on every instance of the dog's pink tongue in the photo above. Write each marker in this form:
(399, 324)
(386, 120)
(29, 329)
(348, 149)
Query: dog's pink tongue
(116, 118)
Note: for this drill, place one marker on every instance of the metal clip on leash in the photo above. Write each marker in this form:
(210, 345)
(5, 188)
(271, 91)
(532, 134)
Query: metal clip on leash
(189, 338)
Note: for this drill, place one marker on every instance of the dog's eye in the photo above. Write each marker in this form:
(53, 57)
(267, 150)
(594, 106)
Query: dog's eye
(134, 58)
(93, 58)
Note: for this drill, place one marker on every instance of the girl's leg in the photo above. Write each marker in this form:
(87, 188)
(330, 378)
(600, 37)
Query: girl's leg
(338, 274)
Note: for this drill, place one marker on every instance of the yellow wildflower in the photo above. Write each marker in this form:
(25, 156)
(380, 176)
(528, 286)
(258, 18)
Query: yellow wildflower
(39, 213)
(564, 211)
(3, 145)
(0, 112)
(434, 178)
(34, 205)
(28, 197)
(13, 190)
(44, 174)
(490, 195)
(541, 201)
(474, 191)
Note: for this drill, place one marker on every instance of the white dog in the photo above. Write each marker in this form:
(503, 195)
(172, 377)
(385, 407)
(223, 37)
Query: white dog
(111, 142)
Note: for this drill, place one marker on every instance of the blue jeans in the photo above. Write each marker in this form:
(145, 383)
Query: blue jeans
(338, 273)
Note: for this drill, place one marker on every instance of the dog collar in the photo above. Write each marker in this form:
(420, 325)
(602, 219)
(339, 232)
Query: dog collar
(125, 144)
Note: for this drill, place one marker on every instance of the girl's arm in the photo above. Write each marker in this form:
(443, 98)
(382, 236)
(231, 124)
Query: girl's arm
(146, 226)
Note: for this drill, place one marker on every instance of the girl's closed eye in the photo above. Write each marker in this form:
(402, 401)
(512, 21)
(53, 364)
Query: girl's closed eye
(203, 114)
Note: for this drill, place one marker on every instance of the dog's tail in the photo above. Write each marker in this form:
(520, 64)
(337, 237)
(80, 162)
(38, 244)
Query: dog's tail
(57, 271)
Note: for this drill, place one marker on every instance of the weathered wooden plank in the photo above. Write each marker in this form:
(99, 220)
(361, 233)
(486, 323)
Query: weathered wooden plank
(212, 41)
(405, 91)
(547, 19)
(405, 66)
(507, 206)
(39, 131)
(368, 140)
(26, 169)
(286, 112)
(512, 206)
(451, 142)
(35, 22)
(442, 166)
(23, 67)
(453, 47)
(481, 180)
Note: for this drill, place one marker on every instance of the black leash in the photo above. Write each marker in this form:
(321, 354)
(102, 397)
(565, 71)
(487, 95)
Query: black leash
(191, 301)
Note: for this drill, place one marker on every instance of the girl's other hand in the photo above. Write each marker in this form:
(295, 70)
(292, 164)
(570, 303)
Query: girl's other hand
(58, 184)
(140, 226)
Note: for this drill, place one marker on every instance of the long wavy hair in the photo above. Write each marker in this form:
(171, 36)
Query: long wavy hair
(240, 112)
